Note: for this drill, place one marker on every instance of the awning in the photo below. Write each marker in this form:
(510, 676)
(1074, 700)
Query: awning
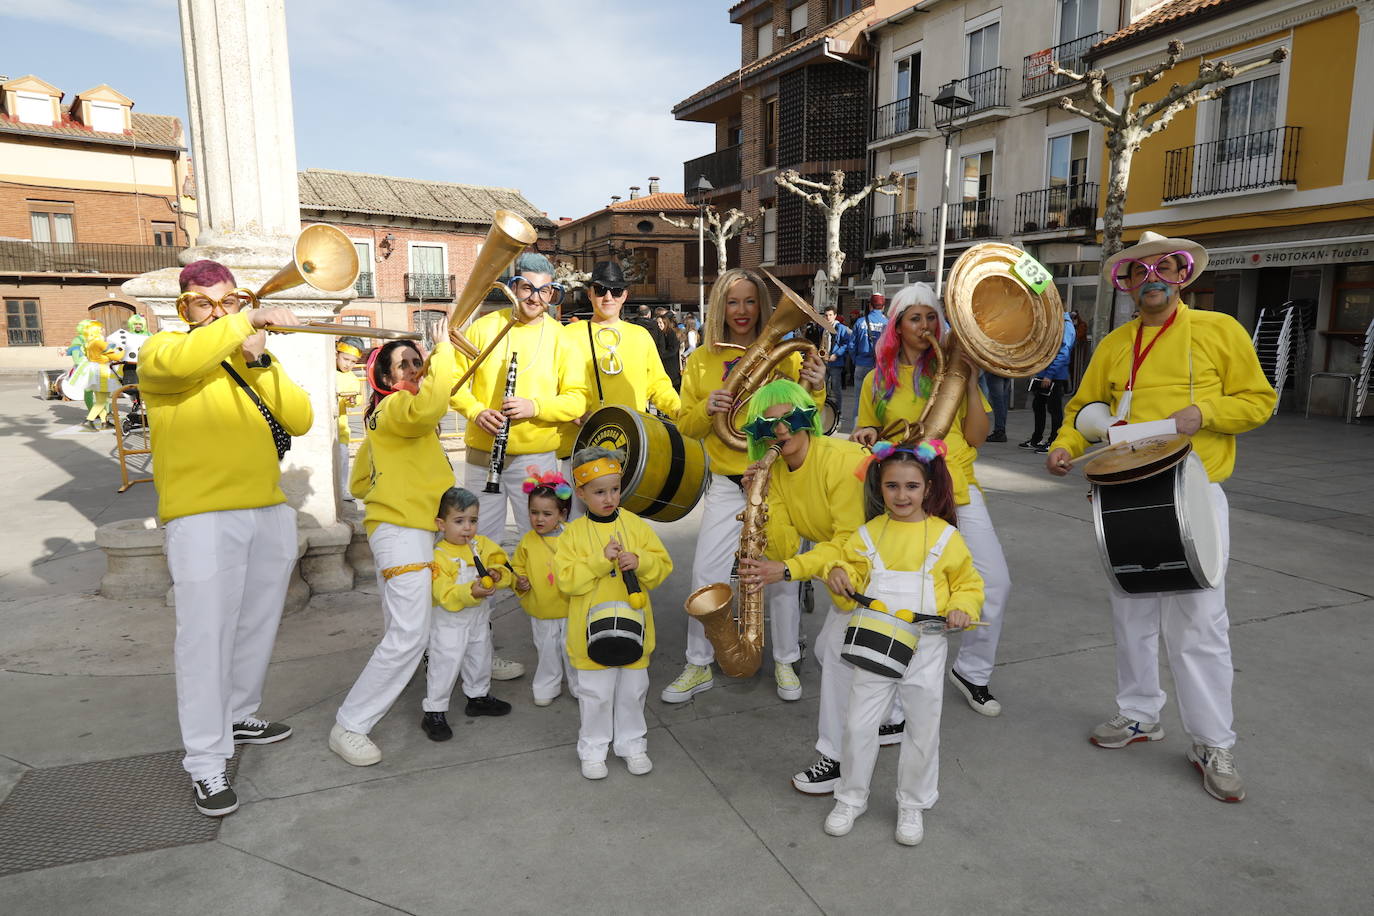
(1347, 250)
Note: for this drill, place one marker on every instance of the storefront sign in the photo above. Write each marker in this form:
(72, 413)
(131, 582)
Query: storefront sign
(1299, 254)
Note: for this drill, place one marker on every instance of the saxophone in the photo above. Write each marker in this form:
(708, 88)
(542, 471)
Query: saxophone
(739, 644)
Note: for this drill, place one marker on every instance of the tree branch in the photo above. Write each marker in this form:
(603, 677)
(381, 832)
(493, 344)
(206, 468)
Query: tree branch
(1209, 73)
(681, 224)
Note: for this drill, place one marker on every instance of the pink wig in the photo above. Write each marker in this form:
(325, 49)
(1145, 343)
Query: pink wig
(204, 273)
(888, 349)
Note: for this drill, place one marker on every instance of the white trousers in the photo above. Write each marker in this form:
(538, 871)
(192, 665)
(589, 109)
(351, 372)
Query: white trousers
(459, 642)
(836, 679)
(1197, 637)
(550, 641)
(229, 572)
(345, 463)
(491, 519)
(407, 608)
(611, 701)
(715, 555)
(922, 693)
(978, 647)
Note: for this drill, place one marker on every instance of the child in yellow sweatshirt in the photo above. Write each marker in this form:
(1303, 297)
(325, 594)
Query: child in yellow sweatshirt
(468, 569)
(550, 497)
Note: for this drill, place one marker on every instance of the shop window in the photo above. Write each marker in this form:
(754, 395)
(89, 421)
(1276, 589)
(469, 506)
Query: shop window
(165, 235)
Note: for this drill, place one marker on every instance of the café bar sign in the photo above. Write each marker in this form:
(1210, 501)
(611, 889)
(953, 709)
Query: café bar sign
(1298, 254)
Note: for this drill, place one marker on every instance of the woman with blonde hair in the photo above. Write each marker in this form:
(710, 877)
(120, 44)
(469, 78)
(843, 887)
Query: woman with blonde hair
(739, 308)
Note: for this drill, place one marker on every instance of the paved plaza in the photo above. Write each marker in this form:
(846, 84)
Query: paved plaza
(1031, 819)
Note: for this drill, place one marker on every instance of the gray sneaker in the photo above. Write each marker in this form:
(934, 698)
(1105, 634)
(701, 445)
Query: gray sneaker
(1119, 731)
(1218, 768)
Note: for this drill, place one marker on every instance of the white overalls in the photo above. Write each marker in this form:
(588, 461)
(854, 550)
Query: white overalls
(921, 690)
(459, 641)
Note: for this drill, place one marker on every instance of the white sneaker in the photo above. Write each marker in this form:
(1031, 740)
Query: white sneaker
(692, 681)
(353, 747)
(503, 669)
(594, 769)
(638, 764)
(911, 828)
(545, 701)
(841, 818)
(789, 685)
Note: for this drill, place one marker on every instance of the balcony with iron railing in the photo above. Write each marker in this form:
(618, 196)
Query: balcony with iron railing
(97, 258)
(1261, 161)
(988, 91)
(721, 168)
(900, 117)
(364, 285)
(429, 286)
(969, 219)
(897, 230)
(1056, 209)
(1036, 78)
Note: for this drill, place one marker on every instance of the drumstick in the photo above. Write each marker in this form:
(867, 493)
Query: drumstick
(1093, 454)
(881, 608)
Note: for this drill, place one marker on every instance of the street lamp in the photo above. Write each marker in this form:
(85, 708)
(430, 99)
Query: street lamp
(949, 98)
(700, 190)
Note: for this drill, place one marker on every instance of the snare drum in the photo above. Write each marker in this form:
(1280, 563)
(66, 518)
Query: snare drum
(665, 472)
(879, 642)
(615, 634)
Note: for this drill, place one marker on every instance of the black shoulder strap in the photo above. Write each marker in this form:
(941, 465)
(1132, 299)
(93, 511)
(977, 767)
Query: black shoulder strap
(596, 367)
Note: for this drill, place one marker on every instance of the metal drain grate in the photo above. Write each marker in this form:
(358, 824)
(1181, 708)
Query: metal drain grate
(96, 810)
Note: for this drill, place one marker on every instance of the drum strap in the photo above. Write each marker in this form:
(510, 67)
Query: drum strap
(596, 367)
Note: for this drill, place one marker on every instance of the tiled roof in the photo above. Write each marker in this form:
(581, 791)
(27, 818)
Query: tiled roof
(149, 130)
(664, 200)
(1166, 15)
(810, 41)
(355, 192)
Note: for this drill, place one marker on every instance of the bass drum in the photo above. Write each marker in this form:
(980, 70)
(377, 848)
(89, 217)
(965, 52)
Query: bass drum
(665, 472)
(1160, 533)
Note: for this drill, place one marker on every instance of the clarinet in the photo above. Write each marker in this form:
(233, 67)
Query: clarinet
(498, 445)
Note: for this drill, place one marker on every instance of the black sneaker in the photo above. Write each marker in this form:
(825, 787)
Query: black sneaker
(997, 435)
(979, 700)
(891, 734)
(1042, 448)
(1028, 445)
(436, 727)
(818, 779)
(214, 797)
(486, 706)
(253, 730)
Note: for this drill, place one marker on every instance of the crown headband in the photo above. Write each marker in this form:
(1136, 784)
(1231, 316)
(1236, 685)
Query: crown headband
(926, 451)
(597, 467)
(549, 479)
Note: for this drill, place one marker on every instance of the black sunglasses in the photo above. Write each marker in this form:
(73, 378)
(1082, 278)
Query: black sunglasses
(600, 290)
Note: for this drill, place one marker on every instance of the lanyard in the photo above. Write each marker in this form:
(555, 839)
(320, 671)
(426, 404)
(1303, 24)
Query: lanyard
(1138, 355)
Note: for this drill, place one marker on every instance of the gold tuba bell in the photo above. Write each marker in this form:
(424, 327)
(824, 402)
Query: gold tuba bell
(510, 234)
(762, 358)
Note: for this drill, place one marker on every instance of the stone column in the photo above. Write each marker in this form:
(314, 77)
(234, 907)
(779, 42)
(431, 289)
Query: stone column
(238, 89)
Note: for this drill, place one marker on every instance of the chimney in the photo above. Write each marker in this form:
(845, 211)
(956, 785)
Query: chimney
(615, 198)
(634, 192)
(653, 184)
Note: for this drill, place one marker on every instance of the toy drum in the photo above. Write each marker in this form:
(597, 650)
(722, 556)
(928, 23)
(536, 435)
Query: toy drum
(615, 634)
(665, 472)
(879, 642)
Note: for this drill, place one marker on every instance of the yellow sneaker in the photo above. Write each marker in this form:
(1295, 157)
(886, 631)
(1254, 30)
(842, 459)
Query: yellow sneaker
(692, 681)
(789, 685)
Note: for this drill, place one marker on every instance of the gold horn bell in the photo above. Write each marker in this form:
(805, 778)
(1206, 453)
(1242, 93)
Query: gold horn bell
(323, 257)
(509, 235)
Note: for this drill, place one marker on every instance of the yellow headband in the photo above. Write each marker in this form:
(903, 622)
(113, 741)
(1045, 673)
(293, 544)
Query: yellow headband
(349, 349)
(597, 467)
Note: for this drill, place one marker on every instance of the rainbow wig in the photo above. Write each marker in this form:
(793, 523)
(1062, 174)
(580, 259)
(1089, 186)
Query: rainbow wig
(888, 350)
(779, 391)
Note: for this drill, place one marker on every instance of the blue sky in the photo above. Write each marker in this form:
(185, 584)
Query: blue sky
(567, 100)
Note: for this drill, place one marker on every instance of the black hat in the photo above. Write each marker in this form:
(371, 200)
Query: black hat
(608, 273)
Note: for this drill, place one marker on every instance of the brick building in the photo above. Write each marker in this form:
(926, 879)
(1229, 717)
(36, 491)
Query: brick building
(92, 193)
(633, 228)
(416, 240)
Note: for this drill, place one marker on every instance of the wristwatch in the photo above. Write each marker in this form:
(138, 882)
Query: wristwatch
(786, 574)
(262, 362)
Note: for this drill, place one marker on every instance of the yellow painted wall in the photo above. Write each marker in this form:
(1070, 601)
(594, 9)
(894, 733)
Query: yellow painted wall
(114, 169)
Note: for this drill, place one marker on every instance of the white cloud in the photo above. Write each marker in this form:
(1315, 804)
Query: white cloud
(143, 22)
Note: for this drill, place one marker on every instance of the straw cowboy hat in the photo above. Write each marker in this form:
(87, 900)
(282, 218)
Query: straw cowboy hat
(1151, 244)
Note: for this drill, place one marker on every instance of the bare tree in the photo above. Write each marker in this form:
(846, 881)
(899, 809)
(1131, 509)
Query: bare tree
(720, 227)
(1128, 125)
(833, 203)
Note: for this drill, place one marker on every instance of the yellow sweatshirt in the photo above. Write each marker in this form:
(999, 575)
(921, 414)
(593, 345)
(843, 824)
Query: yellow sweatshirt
(705, 372)
(401, 470)
(903, 547)
(346, 386)
(534, 559)
(821, 501)
(212, 449)
(1227, 383)
(640, 381)
(547, 372)
(903, 405)
(450, 559)
(584, 575)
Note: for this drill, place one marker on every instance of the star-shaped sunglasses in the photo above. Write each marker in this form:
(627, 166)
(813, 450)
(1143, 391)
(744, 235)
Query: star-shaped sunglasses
(798, 419)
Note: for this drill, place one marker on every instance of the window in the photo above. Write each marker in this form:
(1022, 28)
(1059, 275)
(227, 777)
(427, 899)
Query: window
(1067, 202)
(365, 283)
(764, 37)
(1248, 113)
(977, 180)
(1077, 18)
(798, 20)
(770, 131)
(49, 226)
(982, 48)
(34, 108)
(357, 321)
(645, 225)
(427, 321)
(165, 235)
(842, 8)
(906, 198)
(107, 117)
(908, 77)
(24, 323)
(1068, 159)
(427, 274)
(734, 134)
(770, 235)
(647, 260)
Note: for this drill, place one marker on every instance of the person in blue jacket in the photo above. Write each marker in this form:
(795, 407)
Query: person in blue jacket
(1048, 389)
(840, 345)
(864, 343)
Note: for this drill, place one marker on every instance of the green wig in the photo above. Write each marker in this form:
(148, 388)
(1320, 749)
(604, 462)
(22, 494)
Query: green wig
(779, 391)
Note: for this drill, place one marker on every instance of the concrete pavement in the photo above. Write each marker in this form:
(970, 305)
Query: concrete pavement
(1032, 819)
